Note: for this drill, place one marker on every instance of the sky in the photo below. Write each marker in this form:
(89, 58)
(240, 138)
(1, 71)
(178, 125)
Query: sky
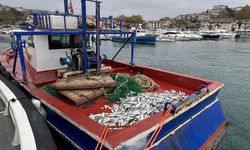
(149, 9)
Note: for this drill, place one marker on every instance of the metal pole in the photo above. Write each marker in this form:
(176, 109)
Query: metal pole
(132, 48)
(98, 69)
(111, 22)
(23, 67)
(120, 25)
(129, 39)
(83, 41)
(66, 9)
(15, 60)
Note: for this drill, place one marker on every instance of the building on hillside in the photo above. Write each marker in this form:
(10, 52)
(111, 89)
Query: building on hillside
(181, 17)
(6, 8)
(188, 17)
(220, 7)
(204, 17)
(226, 23)
(217, 9)
(159, 24)
(237, 8)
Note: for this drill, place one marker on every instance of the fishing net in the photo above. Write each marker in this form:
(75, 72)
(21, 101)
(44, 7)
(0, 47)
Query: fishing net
(52, 92)
(125, 86)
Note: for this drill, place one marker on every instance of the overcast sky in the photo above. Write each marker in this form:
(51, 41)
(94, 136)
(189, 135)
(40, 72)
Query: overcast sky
(150, 9)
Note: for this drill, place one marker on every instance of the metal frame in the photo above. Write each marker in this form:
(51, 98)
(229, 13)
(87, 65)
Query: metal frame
(46, 30)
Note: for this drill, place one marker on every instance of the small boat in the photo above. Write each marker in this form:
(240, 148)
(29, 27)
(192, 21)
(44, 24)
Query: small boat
(141, 37)
(206, 35)
(148, 108)
(177, 35)
(193, 36)
(21, 124)
(105, 37)
(165, 38)
(224, 34)
(5, 31)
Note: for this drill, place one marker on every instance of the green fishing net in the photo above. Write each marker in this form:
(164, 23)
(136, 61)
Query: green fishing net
(125, 86)
(52, 91)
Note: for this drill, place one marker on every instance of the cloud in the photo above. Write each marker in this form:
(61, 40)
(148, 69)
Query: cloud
(149, 9)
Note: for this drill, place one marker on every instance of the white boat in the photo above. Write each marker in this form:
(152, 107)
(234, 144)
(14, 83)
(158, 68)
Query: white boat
(22, 126)
(193, 36)
(177, 35)
(105, 37)
(163, 38)
(224, 34)
(5, 31)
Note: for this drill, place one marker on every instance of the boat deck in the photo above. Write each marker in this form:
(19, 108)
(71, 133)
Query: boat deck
(6, 131)
(78, 115)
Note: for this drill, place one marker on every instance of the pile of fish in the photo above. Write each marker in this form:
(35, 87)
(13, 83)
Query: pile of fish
(136, 108)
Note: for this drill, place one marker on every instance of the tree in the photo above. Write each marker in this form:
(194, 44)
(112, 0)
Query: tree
(7, 17)
(135, 19)
(243, 14)
(231, 12)
(131, 20)
(223, 14)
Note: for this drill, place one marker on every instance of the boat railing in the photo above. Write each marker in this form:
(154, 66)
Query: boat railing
(43, 21)
(23, 134)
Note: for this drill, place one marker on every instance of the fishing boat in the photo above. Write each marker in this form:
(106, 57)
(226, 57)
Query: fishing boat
(169, 110)
(141, 37)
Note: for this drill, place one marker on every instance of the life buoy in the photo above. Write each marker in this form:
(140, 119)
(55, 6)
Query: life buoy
(28, 53)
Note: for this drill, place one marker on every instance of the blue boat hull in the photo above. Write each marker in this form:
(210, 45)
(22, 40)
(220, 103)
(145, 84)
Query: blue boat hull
(148, 39)
(191, 129)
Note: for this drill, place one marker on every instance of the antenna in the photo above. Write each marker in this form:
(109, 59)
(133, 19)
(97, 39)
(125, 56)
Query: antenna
(20, 4)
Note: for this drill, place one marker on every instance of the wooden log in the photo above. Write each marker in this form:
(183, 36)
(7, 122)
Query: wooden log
(82, 82)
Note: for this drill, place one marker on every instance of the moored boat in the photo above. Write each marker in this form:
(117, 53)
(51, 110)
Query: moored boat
(141, 37)
(224, 34)
(144, 39)
(177, 35)
(193, 36)
(21, 125)
(174, 108)
(206, 35)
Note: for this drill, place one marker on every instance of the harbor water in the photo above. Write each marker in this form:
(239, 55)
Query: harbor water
(227, 61)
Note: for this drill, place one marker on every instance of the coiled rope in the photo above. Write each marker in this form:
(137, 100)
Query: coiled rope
(146, 83)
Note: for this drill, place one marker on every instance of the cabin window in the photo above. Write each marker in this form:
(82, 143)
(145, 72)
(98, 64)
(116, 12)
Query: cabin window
(30, 41)
(64, 41)
(59, 41)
